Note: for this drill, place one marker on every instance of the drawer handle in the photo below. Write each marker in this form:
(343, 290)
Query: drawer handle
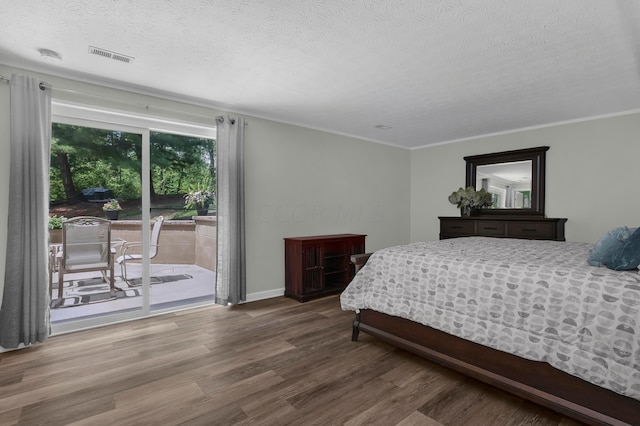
(456, 227)
(529, 230)
(491, 228)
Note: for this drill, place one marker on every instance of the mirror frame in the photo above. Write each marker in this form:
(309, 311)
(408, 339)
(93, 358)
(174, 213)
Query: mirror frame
(536, 155)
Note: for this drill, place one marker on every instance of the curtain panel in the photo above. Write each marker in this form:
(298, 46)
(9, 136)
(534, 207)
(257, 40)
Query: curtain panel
(24, 313)
(230, 270)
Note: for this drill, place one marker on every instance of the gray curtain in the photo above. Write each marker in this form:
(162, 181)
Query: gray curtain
(24, 314)
(230, 270)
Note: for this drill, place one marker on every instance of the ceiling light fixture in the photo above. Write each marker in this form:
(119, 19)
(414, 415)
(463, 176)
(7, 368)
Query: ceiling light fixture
(382, 127)
(49, 54)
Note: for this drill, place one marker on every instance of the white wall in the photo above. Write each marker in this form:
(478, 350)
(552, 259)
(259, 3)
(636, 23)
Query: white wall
(307, 182)
(592, 175)
(298, 181)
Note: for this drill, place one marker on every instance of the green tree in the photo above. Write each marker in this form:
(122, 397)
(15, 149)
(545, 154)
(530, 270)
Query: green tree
(87, 157)
(178, 161)
(77, 149)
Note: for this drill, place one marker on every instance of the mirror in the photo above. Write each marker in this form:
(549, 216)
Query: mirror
(508, 183)
(515, 180)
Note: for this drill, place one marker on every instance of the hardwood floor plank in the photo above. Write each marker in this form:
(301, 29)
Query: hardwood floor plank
(416, 418)
(10, 376)
(453, 404)
(227, 415)
(275, 411)
(97, 383)
(272, 362)
(343, 409)
(10, 417)
(414, 392)
(145, 409)
(50, 412)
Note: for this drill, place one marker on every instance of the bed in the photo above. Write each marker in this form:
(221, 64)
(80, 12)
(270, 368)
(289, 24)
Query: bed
(530, 317)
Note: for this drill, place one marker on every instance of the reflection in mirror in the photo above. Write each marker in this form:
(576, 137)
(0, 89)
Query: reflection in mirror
(508, 183)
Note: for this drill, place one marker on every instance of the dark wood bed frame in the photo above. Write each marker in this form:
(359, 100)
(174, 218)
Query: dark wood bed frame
(532, 380)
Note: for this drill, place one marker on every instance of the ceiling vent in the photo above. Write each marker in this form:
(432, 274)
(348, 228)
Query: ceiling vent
(110, 55)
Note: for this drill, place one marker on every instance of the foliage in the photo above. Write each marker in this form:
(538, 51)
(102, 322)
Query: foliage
(55, 222)
(83, 157)
(171, 181)
(86, 157)
(469, 197)
(112, 204)
(125, 183)
(184, 214)
(56, 188)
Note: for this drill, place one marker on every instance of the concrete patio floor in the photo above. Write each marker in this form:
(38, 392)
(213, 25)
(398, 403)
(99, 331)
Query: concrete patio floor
(198, 289)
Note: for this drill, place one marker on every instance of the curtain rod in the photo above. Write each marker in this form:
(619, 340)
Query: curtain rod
(91, 95)
(220, 119)
(42, 84)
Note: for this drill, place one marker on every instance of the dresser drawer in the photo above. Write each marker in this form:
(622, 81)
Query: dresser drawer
(509, 227)
(457, 227)
(490, 229)
(532, 230)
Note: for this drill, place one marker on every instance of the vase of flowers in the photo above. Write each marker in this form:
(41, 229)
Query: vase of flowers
(468, 198)
(112, 209)
(200, 200)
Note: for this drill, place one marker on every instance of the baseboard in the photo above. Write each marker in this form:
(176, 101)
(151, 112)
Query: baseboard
(261, 295)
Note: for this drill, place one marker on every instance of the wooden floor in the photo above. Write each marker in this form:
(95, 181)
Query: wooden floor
(273, 362)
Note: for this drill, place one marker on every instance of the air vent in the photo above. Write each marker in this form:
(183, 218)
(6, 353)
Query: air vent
(110, 55)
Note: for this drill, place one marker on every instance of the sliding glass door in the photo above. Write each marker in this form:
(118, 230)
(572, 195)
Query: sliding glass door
(96, 171)
(156, 187)
(182, 189)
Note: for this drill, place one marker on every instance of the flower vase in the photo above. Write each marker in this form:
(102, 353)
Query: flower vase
(465, 211)
(112, 214)
(203, 211)
(55, 236)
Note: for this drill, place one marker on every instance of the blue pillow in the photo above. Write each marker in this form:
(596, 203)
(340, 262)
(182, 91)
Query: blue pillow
(627, 256)
(599, 255)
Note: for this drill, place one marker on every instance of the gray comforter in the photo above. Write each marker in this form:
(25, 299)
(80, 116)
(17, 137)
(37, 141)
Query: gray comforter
(536, 299)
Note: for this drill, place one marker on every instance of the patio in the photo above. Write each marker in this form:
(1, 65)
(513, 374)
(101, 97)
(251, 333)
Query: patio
(182, 273)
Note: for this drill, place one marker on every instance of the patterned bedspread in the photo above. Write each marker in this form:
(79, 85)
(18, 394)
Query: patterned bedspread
(536, 299)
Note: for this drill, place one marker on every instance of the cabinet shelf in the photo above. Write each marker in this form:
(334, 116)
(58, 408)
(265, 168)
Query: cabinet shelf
(316, 266)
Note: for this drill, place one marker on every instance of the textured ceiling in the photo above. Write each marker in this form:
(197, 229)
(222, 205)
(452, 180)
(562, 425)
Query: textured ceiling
(434, 71)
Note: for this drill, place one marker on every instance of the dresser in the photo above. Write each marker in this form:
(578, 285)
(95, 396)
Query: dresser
(531, 228)
(319, 265)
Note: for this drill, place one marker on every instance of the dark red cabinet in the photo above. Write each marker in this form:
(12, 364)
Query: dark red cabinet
(319, 265)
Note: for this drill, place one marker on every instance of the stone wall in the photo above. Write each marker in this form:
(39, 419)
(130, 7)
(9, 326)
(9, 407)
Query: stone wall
(189, 242)
(206, 232)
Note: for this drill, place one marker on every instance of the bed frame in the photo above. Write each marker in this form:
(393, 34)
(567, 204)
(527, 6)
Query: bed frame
(532, 380)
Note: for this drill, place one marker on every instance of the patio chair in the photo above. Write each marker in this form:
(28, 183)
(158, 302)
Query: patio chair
(86, 247)
(127, 256)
